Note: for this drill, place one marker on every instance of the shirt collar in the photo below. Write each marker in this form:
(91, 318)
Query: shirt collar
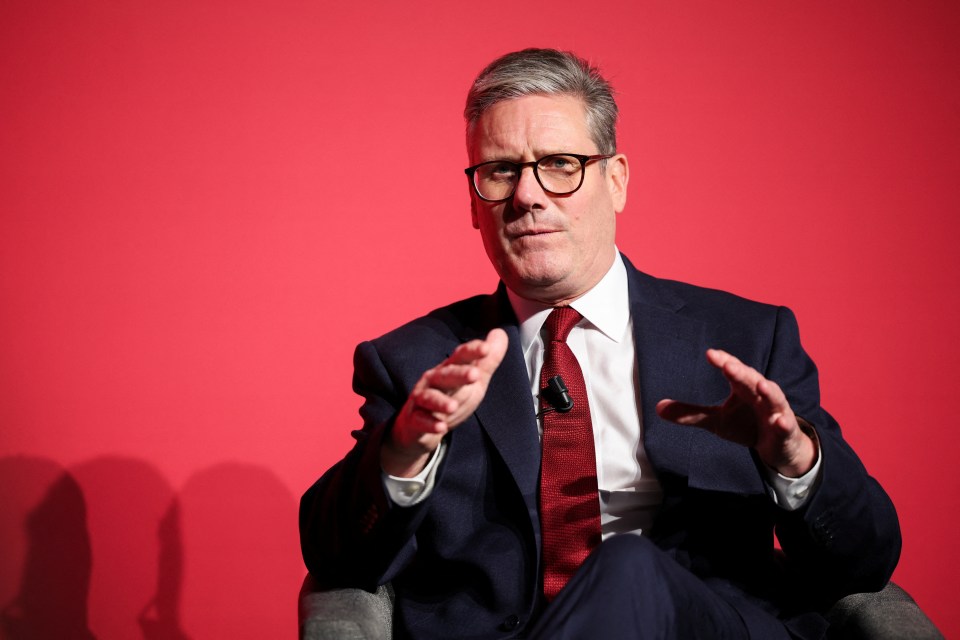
(606, 306)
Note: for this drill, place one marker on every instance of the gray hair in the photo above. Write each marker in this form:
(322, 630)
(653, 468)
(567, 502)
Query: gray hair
(547, 72)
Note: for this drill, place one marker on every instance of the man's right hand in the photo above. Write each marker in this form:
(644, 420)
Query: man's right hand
(443, 397)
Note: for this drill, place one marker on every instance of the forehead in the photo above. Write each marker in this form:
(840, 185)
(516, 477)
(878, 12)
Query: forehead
(529, 127)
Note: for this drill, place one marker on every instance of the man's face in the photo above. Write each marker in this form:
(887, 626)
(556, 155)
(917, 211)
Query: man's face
(546, 247)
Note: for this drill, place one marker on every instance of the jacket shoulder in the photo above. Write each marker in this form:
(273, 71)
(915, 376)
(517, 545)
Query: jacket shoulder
(444, 327)
(697, 301)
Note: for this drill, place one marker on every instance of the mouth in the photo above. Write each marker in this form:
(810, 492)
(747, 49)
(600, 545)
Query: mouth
(528, 233)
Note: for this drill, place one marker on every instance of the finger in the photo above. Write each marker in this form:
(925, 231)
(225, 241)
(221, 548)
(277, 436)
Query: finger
(765, 396)
(785, 423)
(469, 352)
(415, 422)
(743, 378)
(434, 401)
(497, 343)
(421, 421)
(772, 397)
(450, 377)
(486, 354)
(717, 357)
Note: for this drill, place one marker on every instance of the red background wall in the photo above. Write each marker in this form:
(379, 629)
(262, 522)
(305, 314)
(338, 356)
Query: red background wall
(204, 205)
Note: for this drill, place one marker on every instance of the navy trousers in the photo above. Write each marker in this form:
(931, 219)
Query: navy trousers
(630, 589)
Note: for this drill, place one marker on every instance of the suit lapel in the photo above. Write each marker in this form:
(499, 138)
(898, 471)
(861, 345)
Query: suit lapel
(507, 414)
(669, 348)
(671, 360)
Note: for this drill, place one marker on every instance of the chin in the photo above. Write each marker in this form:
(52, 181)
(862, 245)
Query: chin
(537, 264)
(535, 279)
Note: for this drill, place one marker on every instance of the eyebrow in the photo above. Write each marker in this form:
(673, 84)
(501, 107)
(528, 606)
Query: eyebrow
(536, 157)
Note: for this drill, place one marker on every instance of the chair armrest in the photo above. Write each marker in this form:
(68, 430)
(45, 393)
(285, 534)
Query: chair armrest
(345, 614)
(890, 614)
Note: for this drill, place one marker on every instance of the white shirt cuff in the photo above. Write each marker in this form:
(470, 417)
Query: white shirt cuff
(406, 492)
(793, 493)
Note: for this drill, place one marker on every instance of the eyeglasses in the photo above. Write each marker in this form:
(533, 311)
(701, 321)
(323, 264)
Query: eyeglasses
(559, 174)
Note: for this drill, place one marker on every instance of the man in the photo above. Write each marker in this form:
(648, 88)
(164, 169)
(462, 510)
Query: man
(505, 434)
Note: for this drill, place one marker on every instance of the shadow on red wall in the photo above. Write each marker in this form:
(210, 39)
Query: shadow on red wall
(55, 559)
(100, 550)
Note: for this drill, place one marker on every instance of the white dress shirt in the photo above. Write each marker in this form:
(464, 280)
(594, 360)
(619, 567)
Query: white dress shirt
(603, 345)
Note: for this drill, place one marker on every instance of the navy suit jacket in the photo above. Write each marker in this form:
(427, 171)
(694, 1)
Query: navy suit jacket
(467, 558)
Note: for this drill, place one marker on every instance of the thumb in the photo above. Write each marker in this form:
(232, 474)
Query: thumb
(497, 342)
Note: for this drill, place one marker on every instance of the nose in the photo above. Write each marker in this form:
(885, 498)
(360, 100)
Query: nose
(529, 194)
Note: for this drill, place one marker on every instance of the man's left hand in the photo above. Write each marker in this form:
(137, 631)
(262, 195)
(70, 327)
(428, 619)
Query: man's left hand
(756, 414)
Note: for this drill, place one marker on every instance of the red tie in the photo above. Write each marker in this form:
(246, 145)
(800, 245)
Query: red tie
(569, 501)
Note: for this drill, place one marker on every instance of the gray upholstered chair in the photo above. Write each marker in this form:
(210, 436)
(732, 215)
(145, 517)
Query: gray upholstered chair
(353, 614)
(885, 615)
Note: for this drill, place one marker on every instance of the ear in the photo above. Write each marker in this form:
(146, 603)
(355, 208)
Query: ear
(618, 174)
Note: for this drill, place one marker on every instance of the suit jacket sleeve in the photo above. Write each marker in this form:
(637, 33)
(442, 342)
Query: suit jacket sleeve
(350, 533)
(846, 539)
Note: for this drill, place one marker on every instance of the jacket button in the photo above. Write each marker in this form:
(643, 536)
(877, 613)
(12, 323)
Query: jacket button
(510, 623)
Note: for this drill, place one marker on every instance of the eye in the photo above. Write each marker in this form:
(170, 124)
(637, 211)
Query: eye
(560, 164)
(497, 171)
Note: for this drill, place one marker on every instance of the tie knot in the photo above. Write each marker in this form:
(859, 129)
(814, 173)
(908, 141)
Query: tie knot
(560, 321)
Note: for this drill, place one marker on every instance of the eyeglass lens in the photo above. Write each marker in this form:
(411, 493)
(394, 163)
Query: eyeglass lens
(559, 174)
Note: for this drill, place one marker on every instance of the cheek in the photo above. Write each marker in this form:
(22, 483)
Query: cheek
(478, 215)
(490, 234)
(488, 222)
